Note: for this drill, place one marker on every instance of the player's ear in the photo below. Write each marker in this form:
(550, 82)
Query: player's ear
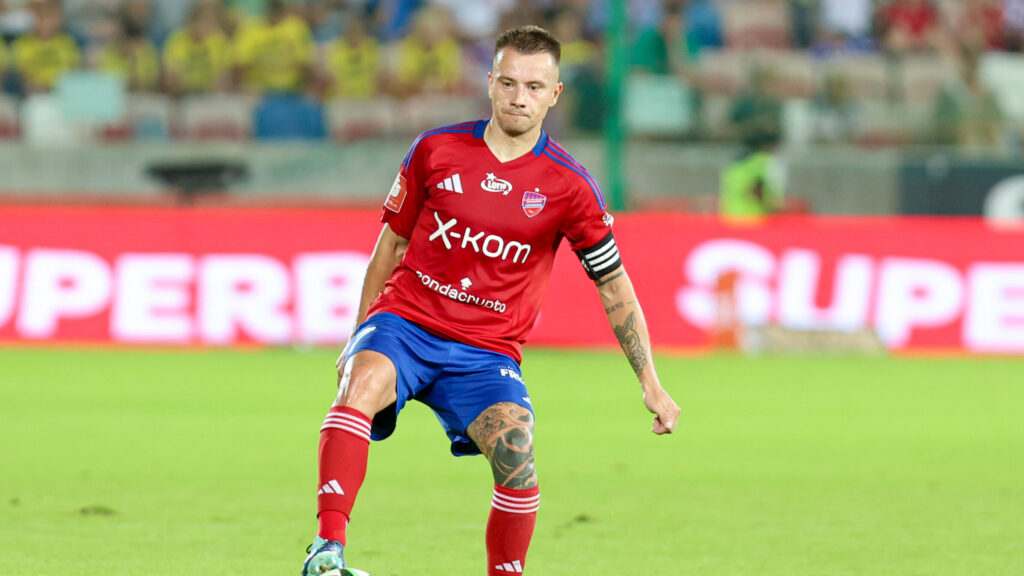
(556, 93)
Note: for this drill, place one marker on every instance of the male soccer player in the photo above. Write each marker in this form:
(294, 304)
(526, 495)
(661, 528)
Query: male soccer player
(452, 290)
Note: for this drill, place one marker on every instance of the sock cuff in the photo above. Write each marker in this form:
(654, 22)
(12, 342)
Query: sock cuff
(525, 501)
(347, 420)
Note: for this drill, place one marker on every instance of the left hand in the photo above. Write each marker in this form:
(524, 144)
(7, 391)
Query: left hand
(666, 411)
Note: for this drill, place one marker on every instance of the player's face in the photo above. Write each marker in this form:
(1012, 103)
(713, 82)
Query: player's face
(522, 88)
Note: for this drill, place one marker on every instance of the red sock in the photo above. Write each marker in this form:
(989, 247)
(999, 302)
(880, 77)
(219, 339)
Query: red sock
(344, 445)
(509, 529)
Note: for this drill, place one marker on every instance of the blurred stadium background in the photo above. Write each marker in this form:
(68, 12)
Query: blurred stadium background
(189, 193)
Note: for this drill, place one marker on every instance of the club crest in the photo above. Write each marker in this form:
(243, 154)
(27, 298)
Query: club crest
(533, 203)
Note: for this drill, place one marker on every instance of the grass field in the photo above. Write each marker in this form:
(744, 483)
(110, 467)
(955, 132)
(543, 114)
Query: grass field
(158, 463)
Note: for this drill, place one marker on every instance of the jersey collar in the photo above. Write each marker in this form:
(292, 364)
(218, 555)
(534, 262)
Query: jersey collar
(538, 148)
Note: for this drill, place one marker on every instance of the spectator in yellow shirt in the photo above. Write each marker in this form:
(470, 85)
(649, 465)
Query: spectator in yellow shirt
(3, 58)
(353, 63)
(44, 54)
(197, 58)
(132, 57)
(275, 53)
(429, 59)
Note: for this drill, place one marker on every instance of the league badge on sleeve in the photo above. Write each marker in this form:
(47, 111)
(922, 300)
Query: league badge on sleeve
(533, 202)
(396, 197)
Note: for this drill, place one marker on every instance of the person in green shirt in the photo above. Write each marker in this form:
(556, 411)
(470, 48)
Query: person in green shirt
(751, 185)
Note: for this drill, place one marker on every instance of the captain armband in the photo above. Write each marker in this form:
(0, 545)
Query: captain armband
(601, 258)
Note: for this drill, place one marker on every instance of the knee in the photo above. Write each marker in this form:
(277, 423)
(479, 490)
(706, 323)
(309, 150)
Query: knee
(512, 461)
(504, 433)
(367, 383)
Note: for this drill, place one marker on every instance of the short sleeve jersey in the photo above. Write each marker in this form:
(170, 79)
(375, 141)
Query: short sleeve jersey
(483, 234)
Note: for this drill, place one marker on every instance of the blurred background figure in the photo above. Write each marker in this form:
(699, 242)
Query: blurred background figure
(197, 57)
(47, 52)
(274, 53)
(910, 26)
(16, 18)
(835, 110)
(845, 25)
(751, 186)
(967, 114)
(666, 47)
(1013, 21)
(581, 108)
(139, 16)
(429, 59)
(131, 56)
(353, 63)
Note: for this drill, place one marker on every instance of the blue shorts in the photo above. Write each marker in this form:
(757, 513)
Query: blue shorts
(455, 380)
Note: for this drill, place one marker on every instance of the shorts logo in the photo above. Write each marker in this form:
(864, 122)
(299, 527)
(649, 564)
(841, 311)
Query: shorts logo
(494, 184)
(509, 373)
(608, 219)
(396, 197)
(533, 202)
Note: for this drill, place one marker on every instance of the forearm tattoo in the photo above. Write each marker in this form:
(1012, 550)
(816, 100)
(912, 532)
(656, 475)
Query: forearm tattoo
(614, 307)
(504, 433)
(631, 344)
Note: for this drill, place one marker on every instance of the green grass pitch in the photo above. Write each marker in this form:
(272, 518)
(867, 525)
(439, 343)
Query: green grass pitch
(153, 463)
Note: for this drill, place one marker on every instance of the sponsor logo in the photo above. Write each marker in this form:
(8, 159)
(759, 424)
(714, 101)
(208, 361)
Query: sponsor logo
(494, 184)
(466, 283)
(452, 184)
(608, 219)
(331, 487)
(396, 197)
(460, 295)
(180, 298)
(893, 295)
(489, 245)
(509, 373)
(533, 202)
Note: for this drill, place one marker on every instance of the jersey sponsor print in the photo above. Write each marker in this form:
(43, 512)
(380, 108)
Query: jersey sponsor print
(483, 236)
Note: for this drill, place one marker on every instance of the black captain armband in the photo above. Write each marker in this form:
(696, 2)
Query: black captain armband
(601, 258)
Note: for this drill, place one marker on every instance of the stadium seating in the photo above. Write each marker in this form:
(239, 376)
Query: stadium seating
(427, 111)
(356, 119)
(1004, 74)
(216, 117)
(289, 116)
(658, 106)
(757, 24)
(147, 116)
(10, 126)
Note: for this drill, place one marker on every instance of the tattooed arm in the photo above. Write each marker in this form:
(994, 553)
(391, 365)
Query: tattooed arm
(627, 320)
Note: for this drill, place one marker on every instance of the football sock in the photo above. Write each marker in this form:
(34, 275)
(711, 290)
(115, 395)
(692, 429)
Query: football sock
(509, 529)
(344, 447)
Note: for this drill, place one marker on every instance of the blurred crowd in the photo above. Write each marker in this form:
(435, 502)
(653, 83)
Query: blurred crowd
(720, 53)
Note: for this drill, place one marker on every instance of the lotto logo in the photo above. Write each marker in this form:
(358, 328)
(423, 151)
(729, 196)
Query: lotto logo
(494, 184)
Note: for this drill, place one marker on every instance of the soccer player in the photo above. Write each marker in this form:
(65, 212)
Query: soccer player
(452, 290)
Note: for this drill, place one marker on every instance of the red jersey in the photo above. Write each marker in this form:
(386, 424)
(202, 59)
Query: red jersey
(483, 234)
